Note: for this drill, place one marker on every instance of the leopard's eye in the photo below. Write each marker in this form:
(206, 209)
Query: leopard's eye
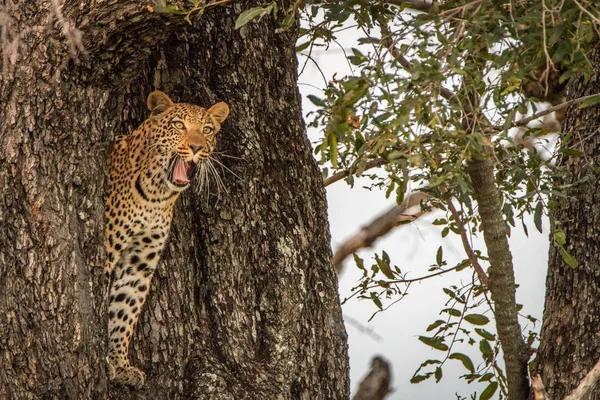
(208, 130)
(179, 125)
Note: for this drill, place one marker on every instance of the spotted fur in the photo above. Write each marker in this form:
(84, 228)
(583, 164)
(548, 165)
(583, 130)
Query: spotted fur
(148, 170)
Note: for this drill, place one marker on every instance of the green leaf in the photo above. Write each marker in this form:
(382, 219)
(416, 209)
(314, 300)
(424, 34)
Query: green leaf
(359, 262)
(485, 334)
(287, 22)
(462, 265)
(464, 359)
(486, 350)
(569, 259)
(420, 378)
(435, 325)
(253, 13)
(486, 377)
(477, 319)
(438, 374)
(537, 216)
(439, 257)
(390, 189)
(571, 152)
(376, 300)
(560, 237)
(333, 150)
(452, 311)
(590, 101)
(400, 191)
(302, 46)
(435, 342)
(384, 266)
(315, 100)
(489, 391)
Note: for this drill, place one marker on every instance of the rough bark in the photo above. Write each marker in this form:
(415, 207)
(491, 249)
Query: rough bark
(570, 344)
(244, 303)
(501, 276)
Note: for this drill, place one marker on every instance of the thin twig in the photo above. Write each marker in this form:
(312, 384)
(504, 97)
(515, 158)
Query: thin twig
(422, 278)
(465, 241)
(406, 281)
(342, 174)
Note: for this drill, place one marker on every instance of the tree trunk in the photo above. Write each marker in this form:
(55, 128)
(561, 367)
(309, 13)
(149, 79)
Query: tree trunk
(502, 277)
(244, 302)
(570, 344)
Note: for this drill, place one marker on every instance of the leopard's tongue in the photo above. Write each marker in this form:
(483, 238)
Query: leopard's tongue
(180, 172)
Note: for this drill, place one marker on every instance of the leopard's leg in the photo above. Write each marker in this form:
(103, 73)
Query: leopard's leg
(118, 175)
(128, 291)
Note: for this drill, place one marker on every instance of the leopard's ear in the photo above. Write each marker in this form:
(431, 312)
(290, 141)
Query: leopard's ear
(158, 102)
(219, 111)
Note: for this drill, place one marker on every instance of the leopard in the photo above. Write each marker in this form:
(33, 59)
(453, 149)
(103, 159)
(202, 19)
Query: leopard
(147, 171)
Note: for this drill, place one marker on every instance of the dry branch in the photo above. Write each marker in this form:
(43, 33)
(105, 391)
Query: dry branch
(376, 385)
(379, 227)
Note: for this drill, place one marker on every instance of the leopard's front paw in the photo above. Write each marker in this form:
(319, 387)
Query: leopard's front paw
(129, 376)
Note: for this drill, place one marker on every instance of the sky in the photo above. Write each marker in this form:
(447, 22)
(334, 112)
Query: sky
(413, 248)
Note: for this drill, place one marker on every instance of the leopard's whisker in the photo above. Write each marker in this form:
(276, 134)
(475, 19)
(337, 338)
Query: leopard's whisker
(225, 167)
(199, 177)
(216, 176)
(220, 183)
(222, 154)
(207, 180)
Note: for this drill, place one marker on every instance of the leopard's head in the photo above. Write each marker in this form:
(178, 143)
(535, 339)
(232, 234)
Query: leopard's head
(183, 136)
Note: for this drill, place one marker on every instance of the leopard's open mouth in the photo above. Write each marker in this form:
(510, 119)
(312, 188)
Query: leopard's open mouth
(180, 171)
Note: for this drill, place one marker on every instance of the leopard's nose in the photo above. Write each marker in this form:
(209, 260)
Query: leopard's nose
(195, 148)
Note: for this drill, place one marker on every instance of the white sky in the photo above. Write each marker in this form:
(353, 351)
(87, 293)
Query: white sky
(413, 248)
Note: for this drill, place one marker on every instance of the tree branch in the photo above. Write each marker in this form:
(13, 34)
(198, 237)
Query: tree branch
(465, 241)
(380, 226)
(502, 278)
(419, 5)
(386, 40)
(342, 174)
(586, 385)
(525, 121)
(376, 385)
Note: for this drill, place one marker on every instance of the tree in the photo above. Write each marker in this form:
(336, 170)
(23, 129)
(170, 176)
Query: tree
(432, 99)
(244, 303)
(569, 340)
